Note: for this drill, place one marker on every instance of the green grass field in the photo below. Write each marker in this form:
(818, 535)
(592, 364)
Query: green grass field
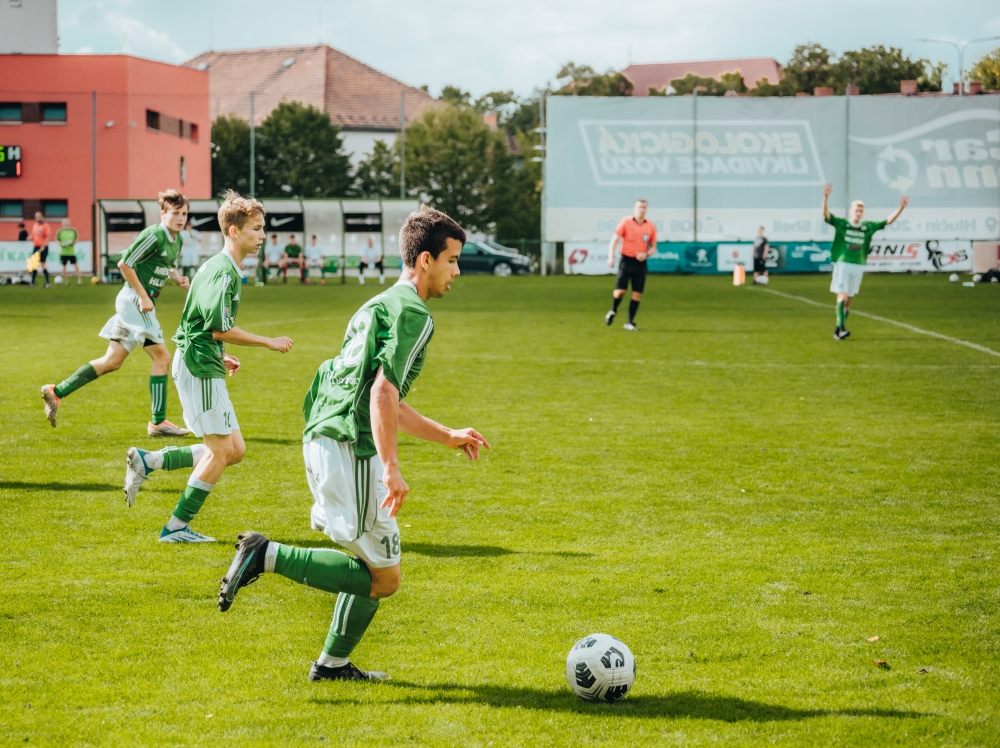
(741, 499)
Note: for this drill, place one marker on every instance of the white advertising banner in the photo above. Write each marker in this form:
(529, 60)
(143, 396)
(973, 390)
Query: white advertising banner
(14, 257)
(728, 256)
(586, 258)
(930, 256)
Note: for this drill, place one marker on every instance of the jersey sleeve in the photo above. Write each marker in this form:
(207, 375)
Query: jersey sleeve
(620, 231)
(140, 249)
(217, 303)
(406, 338)
(833, 220)
(878, 225)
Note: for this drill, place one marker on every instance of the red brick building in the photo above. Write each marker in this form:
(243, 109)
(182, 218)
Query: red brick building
(99, 126)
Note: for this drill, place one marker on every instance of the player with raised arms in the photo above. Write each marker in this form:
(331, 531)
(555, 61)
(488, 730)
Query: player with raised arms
(852, 243)
(353, 411)
(637, 238)
(199, 371)
(146, 265)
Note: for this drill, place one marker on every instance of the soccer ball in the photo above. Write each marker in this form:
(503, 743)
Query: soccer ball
(58, 280)
(600, 668)
(977, 278)
(953, 277)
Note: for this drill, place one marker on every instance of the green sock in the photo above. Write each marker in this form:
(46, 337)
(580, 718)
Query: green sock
(76, 380)
(158, 393)
(351, 618)
(192, 499)
(175, 458)
(841, 316)
(328, 570)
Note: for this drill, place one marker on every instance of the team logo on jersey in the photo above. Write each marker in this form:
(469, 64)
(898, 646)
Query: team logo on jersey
(645, 238)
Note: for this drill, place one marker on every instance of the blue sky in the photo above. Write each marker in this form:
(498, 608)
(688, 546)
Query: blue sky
(519, 44)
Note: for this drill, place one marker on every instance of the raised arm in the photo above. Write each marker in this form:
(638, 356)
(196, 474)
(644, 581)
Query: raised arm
(412, 423)
(827, 189)
(904, 201)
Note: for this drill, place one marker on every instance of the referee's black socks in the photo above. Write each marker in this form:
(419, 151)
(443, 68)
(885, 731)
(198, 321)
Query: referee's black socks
(615, 301)
(633, 307)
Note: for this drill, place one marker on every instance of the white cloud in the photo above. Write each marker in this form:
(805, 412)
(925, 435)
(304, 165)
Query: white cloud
(138, 39)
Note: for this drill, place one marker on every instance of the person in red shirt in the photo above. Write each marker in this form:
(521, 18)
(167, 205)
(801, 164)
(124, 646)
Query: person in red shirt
(637, 238)
(40, 238)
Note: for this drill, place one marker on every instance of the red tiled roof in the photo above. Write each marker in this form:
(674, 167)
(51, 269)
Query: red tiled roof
(356, 96)
(659, 75)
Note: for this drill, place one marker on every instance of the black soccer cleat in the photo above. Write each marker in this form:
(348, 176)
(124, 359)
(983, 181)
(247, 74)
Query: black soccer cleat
(245, 569)
(610, 317)
(348, 672)
(845, 334)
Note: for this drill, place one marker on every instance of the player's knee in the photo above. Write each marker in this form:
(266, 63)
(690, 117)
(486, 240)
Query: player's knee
(636, 296)
(385, 583)
(111, 363)
(236, 453)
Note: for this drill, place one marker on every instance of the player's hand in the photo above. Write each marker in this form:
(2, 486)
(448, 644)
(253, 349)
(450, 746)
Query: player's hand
(145, 304)
(281, 345)
(641, 257)
(904, 201)
(827, 189)
(395, 489)
(231, 363)
(468, 440)
(611, 262)
(183, 281)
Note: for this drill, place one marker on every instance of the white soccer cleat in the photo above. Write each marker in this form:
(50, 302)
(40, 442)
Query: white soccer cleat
(630, 327)
(135, 474)
(166, 428)
(51, 402)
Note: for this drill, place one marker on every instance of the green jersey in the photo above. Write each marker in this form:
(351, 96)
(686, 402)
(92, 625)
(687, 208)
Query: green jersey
(67, 242)
(152, 255)
(211, 304)
(390, 332)
(852, 243)
(293, 250)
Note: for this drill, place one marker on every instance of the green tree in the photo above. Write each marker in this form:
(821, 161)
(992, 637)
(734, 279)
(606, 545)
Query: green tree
(230, 155)
(877, 70)
(987, 71)
(706, 86)
(582, 80)
(377, 176)
(301, 154)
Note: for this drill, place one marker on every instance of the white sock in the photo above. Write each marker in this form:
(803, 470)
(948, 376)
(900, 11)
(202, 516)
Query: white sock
(361, 280)
(381, 280)
(270, 556)
(197, 452)
(175, 524)
(327, 661)
(153, 460)
(195, 483)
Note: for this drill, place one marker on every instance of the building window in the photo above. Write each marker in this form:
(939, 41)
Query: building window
(152, 119)
(10, 111)
(55, 208)
(171, 125)
(53, 112)
(194, 132)
(183, 171)
(11, 209)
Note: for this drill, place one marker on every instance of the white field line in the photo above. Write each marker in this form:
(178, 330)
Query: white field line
(911, 328)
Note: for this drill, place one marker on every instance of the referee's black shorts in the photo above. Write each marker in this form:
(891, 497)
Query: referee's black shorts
(759, 265)
(631, 270)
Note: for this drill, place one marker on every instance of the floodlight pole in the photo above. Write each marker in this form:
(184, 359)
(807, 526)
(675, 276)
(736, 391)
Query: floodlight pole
(402, 145)
(960, 46)
(253, 133)
(694, 159)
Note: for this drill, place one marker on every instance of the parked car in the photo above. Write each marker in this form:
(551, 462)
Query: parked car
(484, 256)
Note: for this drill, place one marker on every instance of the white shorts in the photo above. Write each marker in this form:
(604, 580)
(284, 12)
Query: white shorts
(347, 493)
(206, 403)
(847, 278)
(130, 327)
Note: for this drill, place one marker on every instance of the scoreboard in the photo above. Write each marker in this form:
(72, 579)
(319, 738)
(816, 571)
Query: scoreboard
(10, 160)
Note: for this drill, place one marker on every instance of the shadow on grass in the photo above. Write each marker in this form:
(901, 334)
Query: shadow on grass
(433, 550)
(271, 440)
(684, 704)
(22, 486)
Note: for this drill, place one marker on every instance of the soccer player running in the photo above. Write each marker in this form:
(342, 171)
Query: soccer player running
(199, 371)
(67, 236)
(637, 238)
(352, 411)
(852, 243)
(145, 265)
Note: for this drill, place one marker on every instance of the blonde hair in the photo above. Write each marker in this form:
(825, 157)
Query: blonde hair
(171, 198)
(858, 202)
(236, 210)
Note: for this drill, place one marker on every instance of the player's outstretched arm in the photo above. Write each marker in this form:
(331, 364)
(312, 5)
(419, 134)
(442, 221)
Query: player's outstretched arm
(827, 189)
(903, 202)
(385, 422)
(236, 336)
(422, 427)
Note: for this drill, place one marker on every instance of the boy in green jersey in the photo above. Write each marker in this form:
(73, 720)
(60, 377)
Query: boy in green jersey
(67, 236)
(852, 243)
(146, 265)
(352, 412)
(199, 371)
(293, 256)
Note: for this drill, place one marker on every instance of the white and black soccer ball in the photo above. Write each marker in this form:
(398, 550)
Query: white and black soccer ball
(600, 667)
(58, 280)
(953, 277)
(977, 278)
